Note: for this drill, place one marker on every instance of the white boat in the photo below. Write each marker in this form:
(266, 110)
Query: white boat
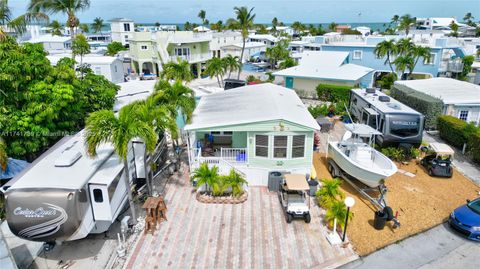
(356, 156)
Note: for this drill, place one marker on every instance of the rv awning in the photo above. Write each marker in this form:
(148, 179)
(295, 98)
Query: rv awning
(296, 182)
(441, 149)
(361, 129)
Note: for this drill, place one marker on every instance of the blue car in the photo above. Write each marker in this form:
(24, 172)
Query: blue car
(466, 219)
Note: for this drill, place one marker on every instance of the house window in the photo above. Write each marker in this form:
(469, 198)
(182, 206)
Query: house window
(98, 70)
(357, 54)
(116, 70)
(126, 27)
(144, 47)
(463, 115)
(298, 146)
(182, 51)
(98, 195)
(280, 146)
(261, 145)
(432, 59)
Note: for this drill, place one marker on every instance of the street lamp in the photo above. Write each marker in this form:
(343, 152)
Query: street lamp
(349, 202)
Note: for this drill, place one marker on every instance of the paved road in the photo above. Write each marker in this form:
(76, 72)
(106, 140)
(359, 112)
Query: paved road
(439, 247)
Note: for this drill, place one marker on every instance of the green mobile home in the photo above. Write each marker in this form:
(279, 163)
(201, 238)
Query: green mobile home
(255, 129)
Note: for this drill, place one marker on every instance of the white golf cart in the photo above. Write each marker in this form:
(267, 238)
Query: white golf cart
(293, 197)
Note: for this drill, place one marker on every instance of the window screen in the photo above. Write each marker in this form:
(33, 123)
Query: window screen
(98, 195)
(261, 145)
(280, 146)
(298, 146)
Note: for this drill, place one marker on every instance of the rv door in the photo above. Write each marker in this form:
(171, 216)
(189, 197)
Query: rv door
(100, 202)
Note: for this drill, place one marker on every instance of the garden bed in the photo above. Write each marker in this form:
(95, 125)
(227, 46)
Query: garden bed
(209, 199)
(422, 202)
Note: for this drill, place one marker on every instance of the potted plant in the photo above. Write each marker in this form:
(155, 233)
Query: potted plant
(337, 210)
(329, 192)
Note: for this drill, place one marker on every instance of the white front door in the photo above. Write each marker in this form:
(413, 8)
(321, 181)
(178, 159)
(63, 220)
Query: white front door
(100, 202)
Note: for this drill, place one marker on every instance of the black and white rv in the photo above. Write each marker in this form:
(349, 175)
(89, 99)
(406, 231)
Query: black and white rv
(397, 122)
(66, 195)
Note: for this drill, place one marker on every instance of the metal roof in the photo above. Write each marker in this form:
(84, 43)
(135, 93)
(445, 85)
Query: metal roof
(361, 129)
(250, 104)
(393, 106)
(296, 182)
(133, 90)
(442, 149)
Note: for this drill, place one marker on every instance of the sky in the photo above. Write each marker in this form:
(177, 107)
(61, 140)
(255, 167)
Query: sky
(306, 11)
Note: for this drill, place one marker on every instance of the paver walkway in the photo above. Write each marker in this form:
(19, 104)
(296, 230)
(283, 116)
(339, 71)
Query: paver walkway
(249, 235)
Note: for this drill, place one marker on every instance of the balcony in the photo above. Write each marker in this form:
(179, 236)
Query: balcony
(192, 58)
(454, 66)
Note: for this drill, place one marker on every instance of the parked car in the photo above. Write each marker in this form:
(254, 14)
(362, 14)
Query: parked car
(234, 83)
(293, 197)
(466, 219)
(438, 160)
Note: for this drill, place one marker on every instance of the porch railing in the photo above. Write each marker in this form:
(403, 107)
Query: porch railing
(234, 155)
(229, 157)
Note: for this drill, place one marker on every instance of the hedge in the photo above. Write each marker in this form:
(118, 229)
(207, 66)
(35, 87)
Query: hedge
(333, 93)
(428, 105)
(474, 145)
(452, 130)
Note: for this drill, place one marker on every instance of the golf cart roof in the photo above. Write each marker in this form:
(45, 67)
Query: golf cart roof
(441, 149)
(361, 129)
(296, 182)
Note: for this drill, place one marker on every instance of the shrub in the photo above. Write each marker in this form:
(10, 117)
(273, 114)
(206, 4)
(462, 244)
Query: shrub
(333, 93)
(429, 106)
(337, 210)
(329, 192)
(474, 146)
(395, 154)
(320, 110)
(251, 78)
(452, 130)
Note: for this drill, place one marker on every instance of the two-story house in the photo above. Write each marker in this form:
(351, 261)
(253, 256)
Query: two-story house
(122, 30)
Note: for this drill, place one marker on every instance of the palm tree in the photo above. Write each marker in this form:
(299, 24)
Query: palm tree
(298, 27)
(402, 63)
(202, 14)
(104, 127)
(3, 155)
(395, 19)
(404, 46)
(418, 52)
(187, 26)
(84, 28)
(277, 53)
(332, 27)
(177, 71)
(231, 64)
(406, 21)
(454, 28)
(67, 7)
(56, 28)
(205, 175)
(18, 24)
(244, 21)
(329, 192)
(469, 19)
(232, 24)
(235, 181)
(215, 67)
(218, 26)
(176, 97)
(98, 25)
(386, 48)
(80, 47)
(337, 210)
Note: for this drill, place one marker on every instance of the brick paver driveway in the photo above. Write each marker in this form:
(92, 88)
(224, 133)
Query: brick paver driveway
(249, 235)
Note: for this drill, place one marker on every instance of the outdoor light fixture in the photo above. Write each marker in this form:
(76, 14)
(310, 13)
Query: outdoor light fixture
(349, 202)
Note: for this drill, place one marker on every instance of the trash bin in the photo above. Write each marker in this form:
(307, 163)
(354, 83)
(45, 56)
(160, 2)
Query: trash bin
(313, 187)
(275, 179)
(380, 220)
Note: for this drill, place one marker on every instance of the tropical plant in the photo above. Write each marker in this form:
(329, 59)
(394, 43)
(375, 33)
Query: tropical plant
(204, 175)
(236, 182)
(114, 48)
(387, 81)
(56, 28)
(454, 27)
(3, 155)
(231, 64)
(277, 53)
(218, 26)
(98, 25)
(157, 24)
(176, 97)
(18, 24)
(338, 211)
(396, 154)
(80, 47)
(287, 63)
(104, 127)
(332, 27)
(469, 19)
(406, 22)
(329, 192)
(202, 14)
(177, 71)
(386, 48)
(298, 27)
(467, 62)
(187, 26)
(244, 22)
(395, 19)
(215, 67)
(84, 28)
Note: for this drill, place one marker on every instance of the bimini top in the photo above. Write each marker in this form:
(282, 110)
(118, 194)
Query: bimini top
(66, 165)
(251, 104)
(441, 149)
(361, 129)
(296, 182)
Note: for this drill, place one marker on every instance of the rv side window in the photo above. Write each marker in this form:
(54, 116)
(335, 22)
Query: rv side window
(98, 195)
(381, 125)
(354, 101)
(364, 117)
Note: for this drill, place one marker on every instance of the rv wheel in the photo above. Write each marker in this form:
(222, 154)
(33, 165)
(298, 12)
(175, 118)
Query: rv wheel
(332, 170)
(308, 218)
(289, 218)
(388, 212)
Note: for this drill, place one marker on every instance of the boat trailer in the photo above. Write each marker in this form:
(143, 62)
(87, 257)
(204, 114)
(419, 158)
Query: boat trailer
(380, 202)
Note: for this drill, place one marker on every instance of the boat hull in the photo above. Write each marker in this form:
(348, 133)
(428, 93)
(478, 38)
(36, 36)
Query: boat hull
(370, 177)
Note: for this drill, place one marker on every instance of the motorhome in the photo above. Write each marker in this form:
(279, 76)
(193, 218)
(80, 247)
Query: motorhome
(66, 194)
(397, 122)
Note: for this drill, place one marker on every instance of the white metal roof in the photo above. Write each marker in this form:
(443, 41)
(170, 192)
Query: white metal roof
(133, 90)
(385, 107)
(88, 59)
(361, 129)
(450, 91)
(268, 37)
(44, 174)
(442, 149)
(325, 65)
(49, 38)
(248, 45)
(250, 104)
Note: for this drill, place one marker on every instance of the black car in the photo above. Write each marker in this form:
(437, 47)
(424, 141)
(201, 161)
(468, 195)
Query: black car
(234, 83)
(438, 160)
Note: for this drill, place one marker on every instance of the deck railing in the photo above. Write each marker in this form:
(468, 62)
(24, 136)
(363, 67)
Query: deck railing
(228, 159)
(234, 155)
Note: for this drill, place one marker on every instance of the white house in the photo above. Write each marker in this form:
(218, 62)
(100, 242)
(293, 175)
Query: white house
(221, 39)
(437, 23)
(268, 40)
(251, 48)
(122, 30)
(52, 42)
(460, 99)
(110, 67)
(283, 30)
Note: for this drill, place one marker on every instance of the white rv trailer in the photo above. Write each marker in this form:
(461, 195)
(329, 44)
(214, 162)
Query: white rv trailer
(65, 194)
(397, 122)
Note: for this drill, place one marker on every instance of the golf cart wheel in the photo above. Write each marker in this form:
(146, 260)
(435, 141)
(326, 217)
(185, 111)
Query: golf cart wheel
(388, 212)
(308, 218)
(289, 218)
